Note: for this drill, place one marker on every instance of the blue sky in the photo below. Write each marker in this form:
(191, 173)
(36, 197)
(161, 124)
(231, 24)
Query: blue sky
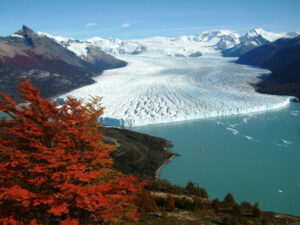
(127, 19)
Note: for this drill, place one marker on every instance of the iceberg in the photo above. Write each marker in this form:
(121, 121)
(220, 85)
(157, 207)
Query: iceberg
(248, 137)
(234, 131)
(286, 142)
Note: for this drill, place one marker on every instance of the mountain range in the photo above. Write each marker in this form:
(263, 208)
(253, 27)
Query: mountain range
(229, 43)
(51, 67)
(56, 64)
(278, 52)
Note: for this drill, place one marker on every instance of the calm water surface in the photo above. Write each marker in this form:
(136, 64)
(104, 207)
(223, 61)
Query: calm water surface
(255, 157)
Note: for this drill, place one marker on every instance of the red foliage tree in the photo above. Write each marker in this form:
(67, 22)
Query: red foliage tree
(54, 167)
(170, 203)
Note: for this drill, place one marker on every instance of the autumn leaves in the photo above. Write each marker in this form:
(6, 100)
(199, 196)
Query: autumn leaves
(54, 167)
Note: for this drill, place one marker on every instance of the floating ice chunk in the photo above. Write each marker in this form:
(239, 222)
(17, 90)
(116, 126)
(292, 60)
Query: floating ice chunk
(280, 191)
(286, 142)
(248, 137)
(295, 113)
(219, 123)
(234, 125)
(234, 131)
(245, 120)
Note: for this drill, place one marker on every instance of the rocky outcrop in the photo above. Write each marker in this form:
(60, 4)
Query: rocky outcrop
(196, 54)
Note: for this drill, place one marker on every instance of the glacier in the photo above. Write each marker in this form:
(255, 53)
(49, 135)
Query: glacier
(154, 88)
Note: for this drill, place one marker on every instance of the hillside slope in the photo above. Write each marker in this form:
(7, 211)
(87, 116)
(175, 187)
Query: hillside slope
(282, 57)
(137, 153)
(50, 67)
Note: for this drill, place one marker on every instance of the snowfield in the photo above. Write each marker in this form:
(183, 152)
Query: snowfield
(184, 46)
(159, 89)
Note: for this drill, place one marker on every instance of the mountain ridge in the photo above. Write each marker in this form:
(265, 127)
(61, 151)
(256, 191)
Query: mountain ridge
(282, 57)
(230, 44)
(50, 67)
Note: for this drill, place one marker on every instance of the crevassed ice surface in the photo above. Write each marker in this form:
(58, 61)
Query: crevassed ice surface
(157, 89)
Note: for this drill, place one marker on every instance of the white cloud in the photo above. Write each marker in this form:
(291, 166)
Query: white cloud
(126, 25)
(91, 24)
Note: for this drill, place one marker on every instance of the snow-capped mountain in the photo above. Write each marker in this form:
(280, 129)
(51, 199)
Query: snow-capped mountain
(269, 36)
(255, 38)
(184, 46)
(223, 38)
(208, 42)
(293, 34)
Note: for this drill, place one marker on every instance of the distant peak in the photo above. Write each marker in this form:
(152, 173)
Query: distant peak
(27, 34)
(27, 29)
(261, 33)
(293, 34)
(256, 31)
(24, 30)
(259, 29)
(96, 38)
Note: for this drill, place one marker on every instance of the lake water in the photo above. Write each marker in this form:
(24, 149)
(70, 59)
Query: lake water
(255, 157)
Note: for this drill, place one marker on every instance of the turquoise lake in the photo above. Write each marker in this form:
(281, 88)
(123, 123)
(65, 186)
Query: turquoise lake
(256, 157)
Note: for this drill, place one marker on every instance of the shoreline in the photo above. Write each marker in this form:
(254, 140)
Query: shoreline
(164, 163)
